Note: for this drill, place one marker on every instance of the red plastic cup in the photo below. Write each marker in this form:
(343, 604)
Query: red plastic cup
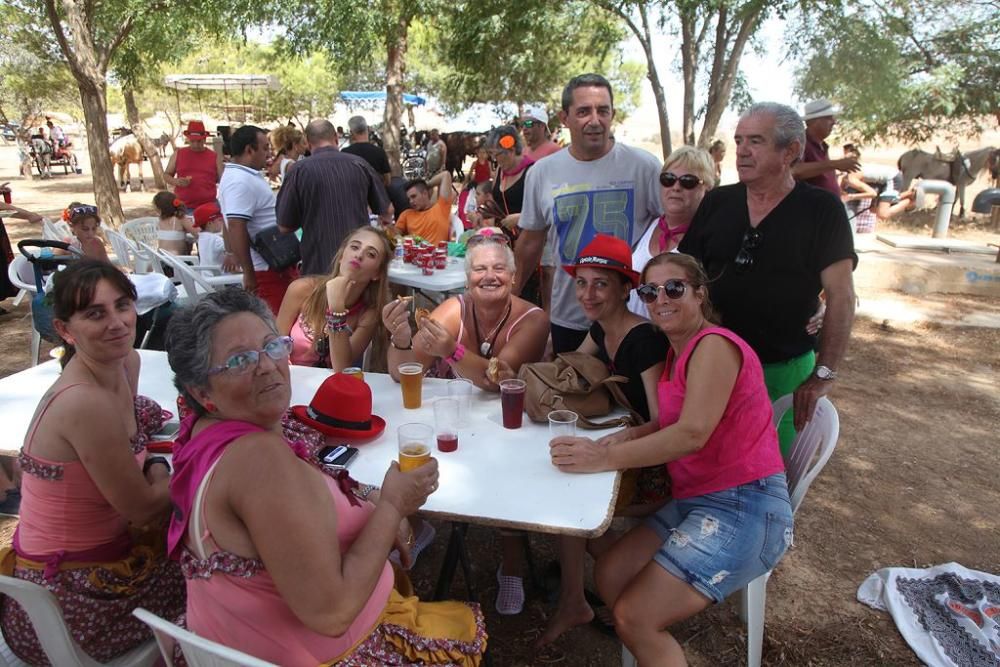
(6, 196)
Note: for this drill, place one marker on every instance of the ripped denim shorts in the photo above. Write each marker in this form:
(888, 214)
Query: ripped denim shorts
(720, 542)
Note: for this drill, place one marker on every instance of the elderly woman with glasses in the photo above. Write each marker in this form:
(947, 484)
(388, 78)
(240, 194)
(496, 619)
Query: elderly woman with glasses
(687, 175)
(729, 519)
(94, 502)
(469, 331)
(283, 561)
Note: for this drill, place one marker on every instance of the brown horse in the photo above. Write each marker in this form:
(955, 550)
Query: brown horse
(126, 151)
(959, 169)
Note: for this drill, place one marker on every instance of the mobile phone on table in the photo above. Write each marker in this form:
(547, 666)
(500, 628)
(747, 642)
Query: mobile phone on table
(168, 432)
(337, 457)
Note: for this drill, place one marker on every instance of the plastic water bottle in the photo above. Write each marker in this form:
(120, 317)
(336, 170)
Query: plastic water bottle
(399, 255)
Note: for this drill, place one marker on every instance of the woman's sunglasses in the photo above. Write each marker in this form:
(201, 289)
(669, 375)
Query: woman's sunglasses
(243, 362)
(687, 181)
(673, 288)
(478, 239)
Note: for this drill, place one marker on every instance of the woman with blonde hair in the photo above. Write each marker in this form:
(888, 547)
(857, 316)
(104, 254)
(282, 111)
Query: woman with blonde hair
(288, 144)
(333, 318)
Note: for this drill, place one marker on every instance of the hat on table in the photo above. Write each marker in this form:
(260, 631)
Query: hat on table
(536, 112)
(606, 252)
(819, 108)
(196, 130)
(342, 408)
(206, 213)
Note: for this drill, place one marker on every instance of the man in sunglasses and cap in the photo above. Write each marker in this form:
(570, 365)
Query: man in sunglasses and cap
(535, 130)
(770, 245)
(816, 167)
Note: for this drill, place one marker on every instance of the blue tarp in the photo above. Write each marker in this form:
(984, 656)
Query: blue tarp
(378, 96)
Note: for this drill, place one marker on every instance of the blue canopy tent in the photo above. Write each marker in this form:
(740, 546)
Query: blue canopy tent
(378, 96)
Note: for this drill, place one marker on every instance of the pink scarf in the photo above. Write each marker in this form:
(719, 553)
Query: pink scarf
(667, 234)
(522, 165)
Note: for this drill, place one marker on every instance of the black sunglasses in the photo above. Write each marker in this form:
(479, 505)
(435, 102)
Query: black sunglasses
(528, 124)
(673, 288)
(687, 181)
(744, 258)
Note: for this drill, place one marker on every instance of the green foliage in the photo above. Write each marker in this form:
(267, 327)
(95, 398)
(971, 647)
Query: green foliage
(903, 70)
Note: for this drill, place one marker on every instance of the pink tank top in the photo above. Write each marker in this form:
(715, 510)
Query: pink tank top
(232, 600)
(200, 168)
(62, 510)
(303, 353)
(744, 445)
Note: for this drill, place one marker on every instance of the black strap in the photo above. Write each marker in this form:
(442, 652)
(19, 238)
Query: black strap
(338, 423)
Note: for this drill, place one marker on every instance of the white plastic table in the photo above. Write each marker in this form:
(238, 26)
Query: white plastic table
(498, 477)
(451, 279)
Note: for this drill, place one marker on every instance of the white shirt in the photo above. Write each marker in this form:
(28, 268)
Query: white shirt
(244, 193)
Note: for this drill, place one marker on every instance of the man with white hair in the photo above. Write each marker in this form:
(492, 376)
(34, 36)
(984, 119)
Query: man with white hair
(362, 146)
(535, 130)
(770, 245)
(816, 167)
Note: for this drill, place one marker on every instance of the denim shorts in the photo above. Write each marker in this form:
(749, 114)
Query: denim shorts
(721, 541)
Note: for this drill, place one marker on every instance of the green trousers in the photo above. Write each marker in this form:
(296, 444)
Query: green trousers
(783, 378)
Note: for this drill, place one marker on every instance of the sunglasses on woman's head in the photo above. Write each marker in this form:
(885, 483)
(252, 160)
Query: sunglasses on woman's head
(244, 362)
(673, 288)
(83, 210)
(478, 239)
(687, 181)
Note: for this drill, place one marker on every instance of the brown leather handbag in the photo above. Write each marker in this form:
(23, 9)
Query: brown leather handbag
(578, 382)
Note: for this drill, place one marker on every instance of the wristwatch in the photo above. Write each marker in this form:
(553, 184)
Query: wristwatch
(825, 373)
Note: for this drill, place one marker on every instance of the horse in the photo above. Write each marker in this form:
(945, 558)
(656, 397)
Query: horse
(161, 142)
(957, 168)
(127, 150)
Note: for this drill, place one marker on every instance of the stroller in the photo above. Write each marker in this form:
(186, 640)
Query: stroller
(44, 263)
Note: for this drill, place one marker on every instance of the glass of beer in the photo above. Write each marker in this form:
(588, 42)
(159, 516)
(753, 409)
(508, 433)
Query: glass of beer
(562, 422)
(446, 421)
(512, 402)
(411, 375)
(414, 445)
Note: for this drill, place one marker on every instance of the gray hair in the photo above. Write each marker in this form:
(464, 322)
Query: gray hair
(190, 334)
(357, 125)
(320, 130)
(585, 81)
(788, 124)
(498, 133)
(508, 256)
(695, 159)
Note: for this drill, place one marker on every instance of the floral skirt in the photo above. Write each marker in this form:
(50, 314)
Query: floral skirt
(97, 599)
(411, 632)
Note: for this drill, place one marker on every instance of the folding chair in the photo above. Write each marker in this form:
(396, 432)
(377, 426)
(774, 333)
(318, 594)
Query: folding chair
(820, 435)
(198, 651)
(57, 643)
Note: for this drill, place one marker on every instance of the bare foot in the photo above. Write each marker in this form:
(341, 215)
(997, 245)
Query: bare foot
(566, 616)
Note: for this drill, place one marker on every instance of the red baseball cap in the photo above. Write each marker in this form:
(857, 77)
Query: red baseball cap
(206, 213)
(606, 252)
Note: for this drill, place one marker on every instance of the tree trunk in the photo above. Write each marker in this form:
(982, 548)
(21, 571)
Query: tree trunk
(395, 69)
(135, 122)
(689, 68)
(95, 120)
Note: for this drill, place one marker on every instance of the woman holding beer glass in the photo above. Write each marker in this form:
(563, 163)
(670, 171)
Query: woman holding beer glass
(464, 333)
(729, 520)
(306, 580)
(332, 319)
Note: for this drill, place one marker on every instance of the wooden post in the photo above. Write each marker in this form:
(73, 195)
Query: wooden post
(995, 217)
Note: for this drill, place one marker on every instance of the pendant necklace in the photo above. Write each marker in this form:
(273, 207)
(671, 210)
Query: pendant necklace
(486, 346)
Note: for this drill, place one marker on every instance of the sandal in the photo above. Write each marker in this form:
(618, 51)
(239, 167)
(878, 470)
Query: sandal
(603, 620)
(510, 594)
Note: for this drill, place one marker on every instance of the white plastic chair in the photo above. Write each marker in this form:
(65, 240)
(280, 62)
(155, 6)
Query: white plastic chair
(457, 228)
(195, 285)
(198, 651)
(57, 643)
(58, 230)
(124, 248)
(820, 435)
(142, 230)
(22, 275)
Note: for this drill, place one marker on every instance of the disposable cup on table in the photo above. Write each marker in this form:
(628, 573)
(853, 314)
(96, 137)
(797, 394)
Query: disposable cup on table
(414, 445)
(446, 424)
(411, 375)
(512, 402)
(562, 422)
(461, 391)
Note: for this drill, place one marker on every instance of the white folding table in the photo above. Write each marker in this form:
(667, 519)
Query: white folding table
(445, 281)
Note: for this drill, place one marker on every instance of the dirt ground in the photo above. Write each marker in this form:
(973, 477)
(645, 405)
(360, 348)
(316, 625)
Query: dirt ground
(912, 483)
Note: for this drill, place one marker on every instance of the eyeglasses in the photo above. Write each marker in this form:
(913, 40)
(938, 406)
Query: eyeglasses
(744, 258)
(244, 362)
(673, 288)
(478, 239)
(528, 124)
(687, 181)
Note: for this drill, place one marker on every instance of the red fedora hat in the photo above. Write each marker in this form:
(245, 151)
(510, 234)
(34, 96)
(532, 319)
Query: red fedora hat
(196, 130)
(606, 252)
(342, 408)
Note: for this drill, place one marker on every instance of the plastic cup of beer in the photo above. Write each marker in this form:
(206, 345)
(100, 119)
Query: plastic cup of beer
(414, 445)
(562, 422)
(446, 423)
(461, 391)
(411, 375)
(512, 402)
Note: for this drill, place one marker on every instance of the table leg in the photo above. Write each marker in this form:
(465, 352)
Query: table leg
(455, 554)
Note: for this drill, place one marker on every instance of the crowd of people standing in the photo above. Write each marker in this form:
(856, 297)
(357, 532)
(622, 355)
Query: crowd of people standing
(700, 294)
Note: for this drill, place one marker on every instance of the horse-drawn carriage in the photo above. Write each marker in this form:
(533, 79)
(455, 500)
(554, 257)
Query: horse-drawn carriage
(44, 155)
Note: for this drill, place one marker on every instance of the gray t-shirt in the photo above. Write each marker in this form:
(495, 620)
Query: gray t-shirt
(617, 195)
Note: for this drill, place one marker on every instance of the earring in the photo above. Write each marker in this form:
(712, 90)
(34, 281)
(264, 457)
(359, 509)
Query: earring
(209, 406)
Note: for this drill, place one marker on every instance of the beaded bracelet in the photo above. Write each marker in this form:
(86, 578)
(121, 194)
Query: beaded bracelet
(339, 326)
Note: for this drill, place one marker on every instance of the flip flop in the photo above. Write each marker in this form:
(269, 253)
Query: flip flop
(601, 614)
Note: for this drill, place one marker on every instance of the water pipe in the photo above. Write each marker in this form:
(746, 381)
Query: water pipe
(946, 199)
